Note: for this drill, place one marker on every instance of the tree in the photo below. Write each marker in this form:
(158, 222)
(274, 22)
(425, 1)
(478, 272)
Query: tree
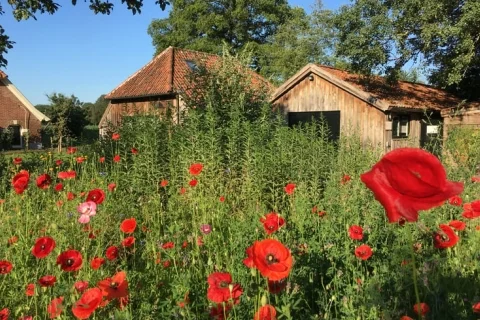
(67, 117)
(206, 25)
(95, 110)
(26, 9)
(300, 40)
(383, 36)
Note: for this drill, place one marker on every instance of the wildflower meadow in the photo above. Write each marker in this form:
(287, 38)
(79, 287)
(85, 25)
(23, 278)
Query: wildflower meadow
(227, 216)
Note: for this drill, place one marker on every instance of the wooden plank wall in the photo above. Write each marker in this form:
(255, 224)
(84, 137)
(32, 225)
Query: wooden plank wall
(414, 136)
(470, 119)
(116, 110)
(356, 116)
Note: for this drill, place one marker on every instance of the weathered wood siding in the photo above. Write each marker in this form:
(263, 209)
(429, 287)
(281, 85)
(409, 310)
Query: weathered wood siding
(117, 109)
(414, 136)
(469, 119)
(356, 115)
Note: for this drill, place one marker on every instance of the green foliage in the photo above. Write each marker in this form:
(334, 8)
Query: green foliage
(6, 138)
(383, 36)
(95, 110)
(67, 118)
(26, 9)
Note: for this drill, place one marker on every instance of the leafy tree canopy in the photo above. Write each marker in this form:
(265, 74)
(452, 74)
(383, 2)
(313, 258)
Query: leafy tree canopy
(26, 9)
(280, 37)
(441, 35)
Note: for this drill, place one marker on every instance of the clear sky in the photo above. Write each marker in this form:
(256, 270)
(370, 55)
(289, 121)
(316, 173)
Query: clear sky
(77, 52)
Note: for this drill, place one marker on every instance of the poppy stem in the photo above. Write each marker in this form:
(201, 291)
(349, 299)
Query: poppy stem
(414, 273)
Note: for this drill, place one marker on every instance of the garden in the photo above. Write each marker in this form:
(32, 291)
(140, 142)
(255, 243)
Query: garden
(233, 215)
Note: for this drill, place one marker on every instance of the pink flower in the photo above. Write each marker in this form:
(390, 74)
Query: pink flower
(87, 209)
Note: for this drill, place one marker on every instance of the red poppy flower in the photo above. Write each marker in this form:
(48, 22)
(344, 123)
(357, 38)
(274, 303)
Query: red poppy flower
(195, 169)
(272, 222)
(355, 232)
(5, 267)
(101, 159)
(70, 174)
(43, 246)
(220, 311)
(30, 290)
(363, 252)
(457, 225)
(476, 179)
(70, 196)
(70, 260)
(193, 183)
(20, 181)
(345, 179)
(58, 162)
(272, 259)
(290, 188)
(471, 210)
(163, 183)
(221, 199)
(128, 225)
(446, 239)
(47, 281)
(71, 150)
(248, 261)
(12, 240)
(17, 161)
(112, 186)
(55, 307)
(59, 187)
(114, 287)
(476, 307)
(4, 314)
(407, 180)
(406, 318)
(421, 308)
(88, 303)
(96, 195)
(81, 286)
(168, 245)
(128, 242)
(266, 312)
(116, 158)
(134, 151)
(96, 263)
(80, 159)
(111, 253)
(455, 201)
(221, 289)
(182, 190)
(275, 287)
(115, 136)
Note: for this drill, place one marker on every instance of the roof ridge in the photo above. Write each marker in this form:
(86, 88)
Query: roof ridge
(170, 48)
(383, 77)
(3, 75)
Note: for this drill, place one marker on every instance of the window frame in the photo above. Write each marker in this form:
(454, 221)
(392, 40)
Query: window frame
(398, 121)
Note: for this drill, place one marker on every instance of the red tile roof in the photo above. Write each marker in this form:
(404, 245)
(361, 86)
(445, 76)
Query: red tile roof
(404, 94)
(3, 75)
(167, 73)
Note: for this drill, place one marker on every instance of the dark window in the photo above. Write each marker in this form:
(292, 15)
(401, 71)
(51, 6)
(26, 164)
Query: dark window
(331, 118)
(192, 65)
(17, 138)
(400, 126)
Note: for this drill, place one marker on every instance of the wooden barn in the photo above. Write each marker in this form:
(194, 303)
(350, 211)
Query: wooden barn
(465, 116)
(159, 85)
(408, 114)
(20, 116)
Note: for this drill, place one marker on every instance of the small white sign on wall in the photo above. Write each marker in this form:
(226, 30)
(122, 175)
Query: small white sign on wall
(432, 129)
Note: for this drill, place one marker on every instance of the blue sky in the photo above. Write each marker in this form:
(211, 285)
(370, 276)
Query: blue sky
(77, 52)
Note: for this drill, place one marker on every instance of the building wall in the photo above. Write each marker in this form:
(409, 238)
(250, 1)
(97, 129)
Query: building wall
(117, 109)
(12, 112)
(469, 119)
(414, 137)
(356, 116)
